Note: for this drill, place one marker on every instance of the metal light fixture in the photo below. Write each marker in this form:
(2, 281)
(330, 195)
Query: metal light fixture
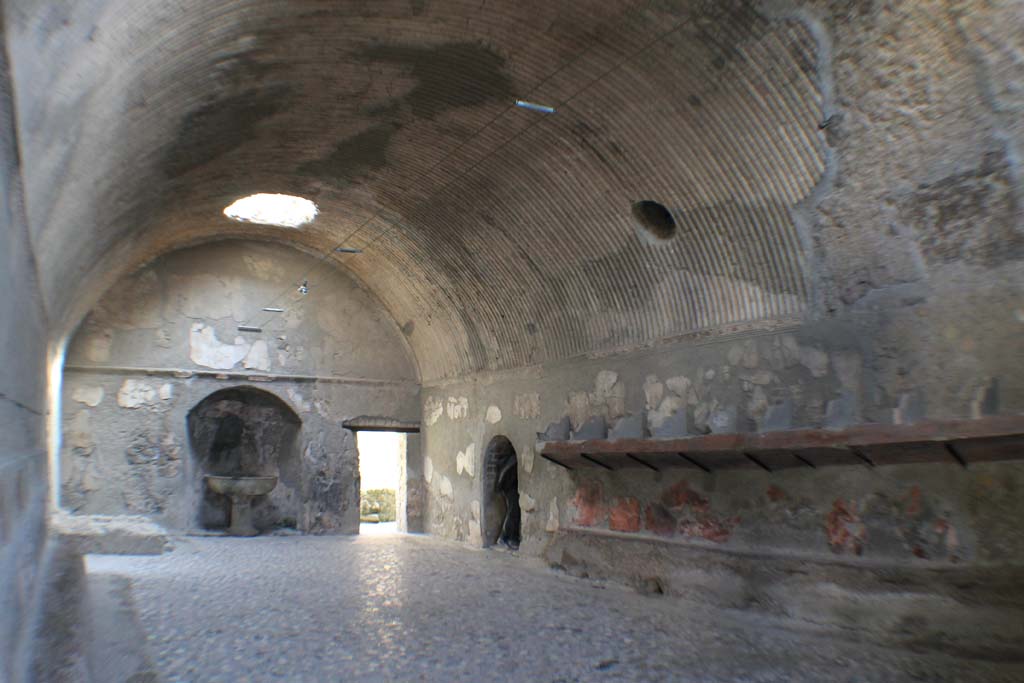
(304, 287)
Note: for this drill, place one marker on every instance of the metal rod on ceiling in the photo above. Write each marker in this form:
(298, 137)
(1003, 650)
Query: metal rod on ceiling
(532, 106)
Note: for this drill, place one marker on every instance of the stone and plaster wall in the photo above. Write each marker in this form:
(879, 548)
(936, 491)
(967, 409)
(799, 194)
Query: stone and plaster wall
(934, 513)
(916, 273)
(23, 471)
(165, 338)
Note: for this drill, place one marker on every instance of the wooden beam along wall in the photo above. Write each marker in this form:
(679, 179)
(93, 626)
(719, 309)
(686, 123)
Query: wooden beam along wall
(959, 442)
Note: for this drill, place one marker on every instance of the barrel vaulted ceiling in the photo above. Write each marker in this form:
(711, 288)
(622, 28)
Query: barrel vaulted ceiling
(496, 236)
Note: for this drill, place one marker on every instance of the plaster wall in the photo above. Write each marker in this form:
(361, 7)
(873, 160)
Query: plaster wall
(23, 471)
(165, 338)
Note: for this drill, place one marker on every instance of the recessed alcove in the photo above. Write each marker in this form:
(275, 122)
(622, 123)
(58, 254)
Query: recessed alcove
(243, 431)
(501, 513)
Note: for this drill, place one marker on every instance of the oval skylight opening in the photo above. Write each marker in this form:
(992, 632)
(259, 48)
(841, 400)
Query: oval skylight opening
(282, 210)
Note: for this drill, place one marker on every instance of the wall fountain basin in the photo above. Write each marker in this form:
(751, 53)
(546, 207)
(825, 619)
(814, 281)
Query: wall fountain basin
(241, 491)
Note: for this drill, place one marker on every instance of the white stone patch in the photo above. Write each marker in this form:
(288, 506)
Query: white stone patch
(670, 405)
(457, 408)
(608, 399)
(474, 509)
(526, 406)
(605, 382)
(493, 414)
(682, 387)
(206, 350)
(258, 357)
(654, 391)
(527, 458)
(527, 503)
(433, 409)
(758, 377)
(553, 523)
(757, 406)
(446, 488)
(90, 396)
(428, 469)
(135, 394)
(465, 461)
(302, 405)
(166, 391)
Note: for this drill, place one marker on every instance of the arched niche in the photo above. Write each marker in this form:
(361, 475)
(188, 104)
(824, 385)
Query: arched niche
(245, 431)
(502, 518)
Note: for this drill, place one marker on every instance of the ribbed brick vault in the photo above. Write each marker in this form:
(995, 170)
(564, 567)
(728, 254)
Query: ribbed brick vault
(142, 119)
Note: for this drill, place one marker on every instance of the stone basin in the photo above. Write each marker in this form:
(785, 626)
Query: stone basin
(241, 491)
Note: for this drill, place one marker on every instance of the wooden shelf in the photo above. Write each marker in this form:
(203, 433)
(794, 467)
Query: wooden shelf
(961, 442)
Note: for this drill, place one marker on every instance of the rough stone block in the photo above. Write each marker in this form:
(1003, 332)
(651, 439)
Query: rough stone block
(672, 427)
(556, 431)
(629, 427)
(594, 428)
(779, 416)
(723, 421)
(910, 408)
(841, 412)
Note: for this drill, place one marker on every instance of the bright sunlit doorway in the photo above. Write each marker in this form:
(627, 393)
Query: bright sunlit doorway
(381, 495)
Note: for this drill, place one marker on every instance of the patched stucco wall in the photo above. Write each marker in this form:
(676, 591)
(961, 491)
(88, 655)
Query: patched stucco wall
(165, 338)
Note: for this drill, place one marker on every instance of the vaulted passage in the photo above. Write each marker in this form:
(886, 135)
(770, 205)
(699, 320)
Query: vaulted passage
(715, 302)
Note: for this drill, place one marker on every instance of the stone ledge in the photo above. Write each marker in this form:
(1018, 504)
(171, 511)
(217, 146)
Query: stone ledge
(110, 535)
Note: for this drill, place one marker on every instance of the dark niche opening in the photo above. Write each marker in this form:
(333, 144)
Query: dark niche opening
(246, 432)
(655, 219)
(502, 516)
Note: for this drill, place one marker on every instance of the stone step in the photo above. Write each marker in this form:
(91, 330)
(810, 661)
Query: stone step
(110, 535)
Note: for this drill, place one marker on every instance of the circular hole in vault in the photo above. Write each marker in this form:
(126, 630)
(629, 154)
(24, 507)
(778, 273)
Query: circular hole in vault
(282, 210)
(655, 218)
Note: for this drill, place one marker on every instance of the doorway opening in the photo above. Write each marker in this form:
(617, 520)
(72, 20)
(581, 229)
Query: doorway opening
(502, 516)
(381, 481)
